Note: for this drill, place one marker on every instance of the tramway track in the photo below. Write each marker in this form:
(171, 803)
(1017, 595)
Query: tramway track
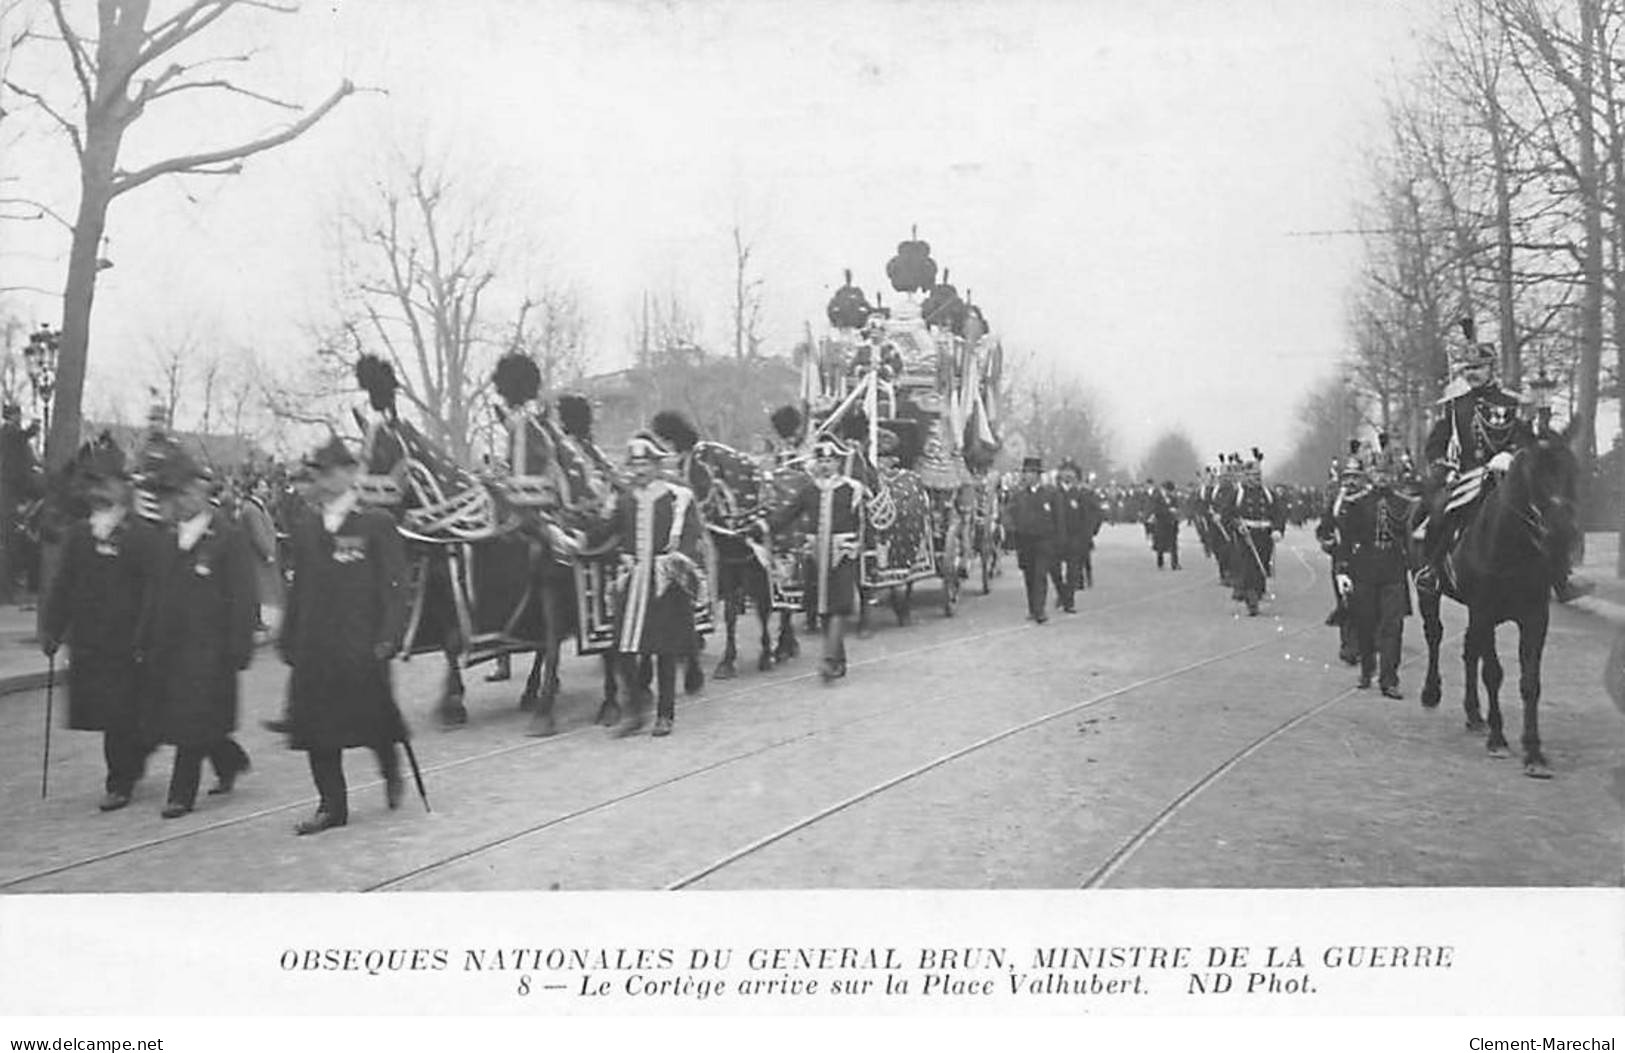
(752, 688)
(1127, 850)
(873, 791)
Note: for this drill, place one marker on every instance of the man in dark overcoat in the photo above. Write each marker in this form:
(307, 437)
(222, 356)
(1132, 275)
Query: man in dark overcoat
(1162, 524)
(1030, 524)
(346, 616)
(661, 567)
(198, 632)
(95, 606)
(1371, 532)
(1077, 519)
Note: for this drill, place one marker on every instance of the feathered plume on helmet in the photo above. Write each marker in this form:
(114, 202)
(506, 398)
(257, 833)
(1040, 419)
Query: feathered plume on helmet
(1473, 353)
(675, 430)
(517, 379)
(786, 422)
(575, 416)
(377, 378)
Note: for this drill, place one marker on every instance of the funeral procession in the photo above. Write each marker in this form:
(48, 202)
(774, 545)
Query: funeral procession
(955, 522)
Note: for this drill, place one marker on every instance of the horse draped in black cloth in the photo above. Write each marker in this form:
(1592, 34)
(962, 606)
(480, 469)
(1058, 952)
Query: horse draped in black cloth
(478, 585)
(566, 492)
(1502, 568)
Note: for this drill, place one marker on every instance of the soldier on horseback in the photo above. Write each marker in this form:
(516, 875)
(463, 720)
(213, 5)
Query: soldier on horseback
(1468, 448)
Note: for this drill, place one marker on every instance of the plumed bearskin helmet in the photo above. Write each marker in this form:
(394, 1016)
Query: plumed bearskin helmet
(517, 379)
(786, 421)
(575, 416)
(377, 378)
(675, 430)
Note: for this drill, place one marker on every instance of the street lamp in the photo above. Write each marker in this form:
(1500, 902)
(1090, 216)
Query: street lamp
(40, 359)
(1542, 387)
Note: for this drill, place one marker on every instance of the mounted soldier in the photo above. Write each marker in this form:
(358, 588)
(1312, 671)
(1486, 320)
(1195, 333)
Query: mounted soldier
(1470, 446)
(1371, 567)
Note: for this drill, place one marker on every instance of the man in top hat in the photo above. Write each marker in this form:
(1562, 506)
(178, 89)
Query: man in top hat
(833, 503)
(95, 606)
(1077, 520)
(1030, 525)
(346, 615)
(198, 631)
(661, 536)
(1479, 429)
(1371, 554)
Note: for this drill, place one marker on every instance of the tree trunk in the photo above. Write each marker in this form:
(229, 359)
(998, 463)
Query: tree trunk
(1585, 432)
(1511, 353)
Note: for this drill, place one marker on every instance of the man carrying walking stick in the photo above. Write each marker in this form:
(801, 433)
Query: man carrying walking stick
(345, 618)
(95, 606)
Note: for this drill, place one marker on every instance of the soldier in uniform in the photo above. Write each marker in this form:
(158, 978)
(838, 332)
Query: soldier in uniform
(1162, 524)
(1371, 554)
(96, 603)
(1349, 481)
(345, 619)
(1077, 519)
(1477, 433)
(198, 631)
(833, 504)
(661, 537)
(1253, 516)
(1030, 524)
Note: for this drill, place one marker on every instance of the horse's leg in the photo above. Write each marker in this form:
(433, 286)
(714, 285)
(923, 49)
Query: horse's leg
(609, 711)
(789, 647)
(1433, 632)
(451, 709)
(1531, 646)
(1493, 677)
(543, 666)
(763, 600)
(1470, 647)
(726, 669)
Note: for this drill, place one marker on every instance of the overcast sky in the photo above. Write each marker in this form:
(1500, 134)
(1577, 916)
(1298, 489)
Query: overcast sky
(1116, 182)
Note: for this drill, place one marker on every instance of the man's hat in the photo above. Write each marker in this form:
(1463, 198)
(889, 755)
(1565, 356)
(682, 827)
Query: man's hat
(644, 447)
(175, 472)
(103, 459)
(1069, 465)
(1472, 353)
(829, 447)
(333, 454)
(1032, 464)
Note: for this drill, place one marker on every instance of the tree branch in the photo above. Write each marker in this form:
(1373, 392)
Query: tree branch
(223, 85)
(76, 51)
(39, 100)
(130, 180)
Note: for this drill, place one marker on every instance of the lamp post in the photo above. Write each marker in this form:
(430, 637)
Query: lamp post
(40, 359)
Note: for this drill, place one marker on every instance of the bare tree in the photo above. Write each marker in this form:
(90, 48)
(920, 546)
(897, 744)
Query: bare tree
(430, 282)
(747, 304)
(120, 73)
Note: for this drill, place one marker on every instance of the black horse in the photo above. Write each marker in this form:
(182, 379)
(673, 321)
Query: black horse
(1501, 568)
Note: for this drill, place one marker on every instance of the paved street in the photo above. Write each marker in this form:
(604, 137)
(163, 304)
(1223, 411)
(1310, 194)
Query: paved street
(1154, 739)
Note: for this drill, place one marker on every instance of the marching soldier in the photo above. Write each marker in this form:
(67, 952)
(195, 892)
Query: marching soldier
(660, 534)
(95, 606)
(198, 631)
(345, 619)
(1253, 516)
(1162, 523)
(1477, 433)
(1077, 520)
(1030, 524)
(833, 504)
(1349, 481)
(1371, 530)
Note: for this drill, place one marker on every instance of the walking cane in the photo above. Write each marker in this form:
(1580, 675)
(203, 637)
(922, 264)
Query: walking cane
(50, 690)
(417, 774)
